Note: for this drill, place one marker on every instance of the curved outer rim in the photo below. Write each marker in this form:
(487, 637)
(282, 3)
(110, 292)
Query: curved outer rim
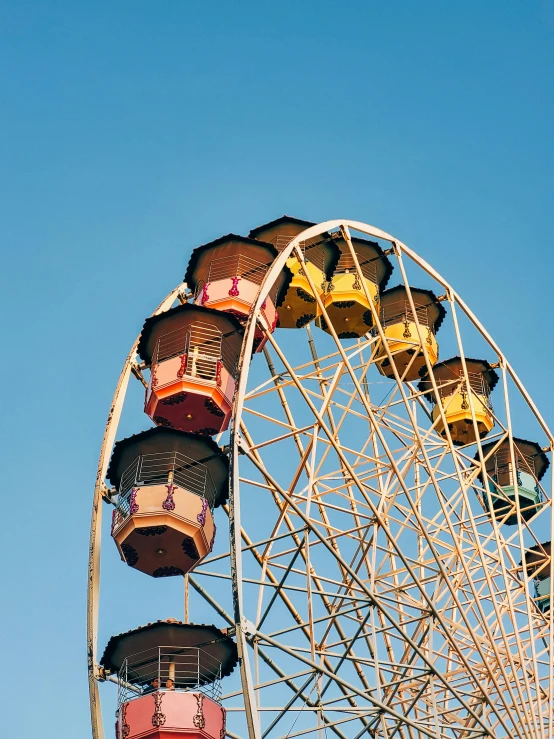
(96, 526)
(243, 626)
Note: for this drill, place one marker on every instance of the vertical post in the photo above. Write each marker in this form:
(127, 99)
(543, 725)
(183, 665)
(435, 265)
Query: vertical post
(159, 667)
(186, 580)
(194, 360)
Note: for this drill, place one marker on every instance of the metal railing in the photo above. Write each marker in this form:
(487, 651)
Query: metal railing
(400, 312)
(238, 265)
(367, 266)
(280, 242)
(202, 345)
(312, 252)
(502, 471)
(477, 383)
(178, 669)
(162, 468)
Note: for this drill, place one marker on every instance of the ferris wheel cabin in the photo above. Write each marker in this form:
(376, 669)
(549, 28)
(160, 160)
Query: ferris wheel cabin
(226, 274)
(192, 352)
(168, 483)
(508, 481)
(348, 295)
(401, 332)
(538, 565)
(461, 400)
(169, 680)
(299, 305)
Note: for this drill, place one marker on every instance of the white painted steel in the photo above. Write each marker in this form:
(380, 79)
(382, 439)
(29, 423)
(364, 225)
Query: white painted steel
(443, 641)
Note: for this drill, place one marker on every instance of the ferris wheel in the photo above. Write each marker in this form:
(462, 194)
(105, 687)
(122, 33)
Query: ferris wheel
(364, 525)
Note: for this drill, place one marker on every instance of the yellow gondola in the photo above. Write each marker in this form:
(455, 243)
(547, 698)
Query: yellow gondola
(348, 293)
(299, 305)
(457, 402)
(403, 339)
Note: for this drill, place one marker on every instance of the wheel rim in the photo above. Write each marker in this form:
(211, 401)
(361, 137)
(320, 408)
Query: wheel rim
(376, 556)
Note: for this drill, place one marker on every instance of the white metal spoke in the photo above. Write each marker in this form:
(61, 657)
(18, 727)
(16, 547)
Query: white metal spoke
(372, 583)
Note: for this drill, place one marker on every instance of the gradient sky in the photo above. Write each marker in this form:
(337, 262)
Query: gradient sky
(130, 132)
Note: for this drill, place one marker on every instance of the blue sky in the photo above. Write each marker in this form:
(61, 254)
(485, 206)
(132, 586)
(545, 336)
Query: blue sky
(132, 131)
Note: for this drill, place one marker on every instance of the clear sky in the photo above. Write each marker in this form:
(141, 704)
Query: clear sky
(131, 132)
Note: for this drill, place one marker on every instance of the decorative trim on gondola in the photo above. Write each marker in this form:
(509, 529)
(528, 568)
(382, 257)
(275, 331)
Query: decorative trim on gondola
(344, 303)
(234, 291)
(169, 503)
(348, 335)
(183, 368)
(130, 554)
(303, 295)
(125, 728)
(116, 519)
(198, 719)
(161, 421)
(213, 408)
(208, 431)
(151, 530)
(133, 505)
(158, 719)
(169, 571)
(174, 399)
(201, 517)
(305, 319)
(189, 548)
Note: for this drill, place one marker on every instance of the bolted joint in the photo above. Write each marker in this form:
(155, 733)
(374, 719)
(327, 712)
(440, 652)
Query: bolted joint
(100, 673)
(247, 627)
(136, 370)
(107, 493)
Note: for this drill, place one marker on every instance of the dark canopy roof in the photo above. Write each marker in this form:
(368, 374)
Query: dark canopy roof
(227, 245)
(255, 232)
(421, 297)
(368, 252)
(525, 447)
(291, 227)
(160, 439)
(449, 370)
(216, 646)
(182, 316)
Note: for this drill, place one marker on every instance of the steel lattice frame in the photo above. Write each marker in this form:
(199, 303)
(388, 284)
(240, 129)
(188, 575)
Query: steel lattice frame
(371, 591)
